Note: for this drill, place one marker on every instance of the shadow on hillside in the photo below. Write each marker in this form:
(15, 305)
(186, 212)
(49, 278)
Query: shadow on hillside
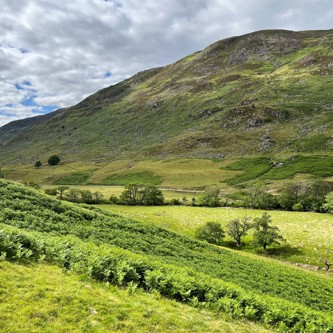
(284, 251)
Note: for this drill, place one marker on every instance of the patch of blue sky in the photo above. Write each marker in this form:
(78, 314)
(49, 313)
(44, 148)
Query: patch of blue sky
(29, 101)
(24, 50)
(23, 85)
(46, 109)
(6, 113)
(107, 74)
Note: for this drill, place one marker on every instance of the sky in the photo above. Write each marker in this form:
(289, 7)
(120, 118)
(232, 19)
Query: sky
(55, 53)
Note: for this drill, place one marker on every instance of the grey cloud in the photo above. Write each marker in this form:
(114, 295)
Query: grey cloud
(73, 44)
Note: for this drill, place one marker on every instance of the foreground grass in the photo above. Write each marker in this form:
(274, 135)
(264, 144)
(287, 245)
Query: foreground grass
(309, 235)
(43, 298)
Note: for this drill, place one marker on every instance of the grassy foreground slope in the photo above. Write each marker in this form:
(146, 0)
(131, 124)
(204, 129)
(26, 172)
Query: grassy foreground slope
(125, 252)
(43, 298)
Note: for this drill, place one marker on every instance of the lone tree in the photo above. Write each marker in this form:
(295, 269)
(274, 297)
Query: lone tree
(211, 232)
(38, 164)
(53, 160)
(238, 228)
(266, 234)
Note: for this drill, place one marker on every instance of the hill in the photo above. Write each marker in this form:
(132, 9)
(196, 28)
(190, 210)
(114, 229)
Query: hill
(267, 92)
(125, 252)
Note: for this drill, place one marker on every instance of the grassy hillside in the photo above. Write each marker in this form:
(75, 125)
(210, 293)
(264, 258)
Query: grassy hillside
(187, 174)
(70, 303)
(125, 252)
(268, 92)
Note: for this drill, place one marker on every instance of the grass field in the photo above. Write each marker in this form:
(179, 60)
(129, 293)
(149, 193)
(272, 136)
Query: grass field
(45, 299)
(108, 190)
(309, 235)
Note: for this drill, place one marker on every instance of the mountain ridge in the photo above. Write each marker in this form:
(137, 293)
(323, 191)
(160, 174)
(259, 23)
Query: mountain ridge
(265, 92)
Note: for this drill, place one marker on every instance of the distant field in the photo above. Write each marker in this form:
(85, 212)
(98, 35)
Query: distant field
(108, 190)
(309, 235)
(67, 303)
(179, 174)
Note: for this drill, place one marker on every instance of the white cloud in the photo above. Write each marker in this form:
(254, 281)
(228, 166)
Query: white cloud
(65, 48)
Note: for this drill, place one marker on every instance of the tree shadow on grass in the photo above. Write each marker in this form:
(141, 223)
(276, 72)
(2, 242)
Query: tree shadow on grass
(284, 251)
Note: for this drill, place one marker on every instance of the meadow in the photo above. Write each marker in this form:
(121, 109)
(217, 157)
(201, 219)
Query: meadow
(309, 235)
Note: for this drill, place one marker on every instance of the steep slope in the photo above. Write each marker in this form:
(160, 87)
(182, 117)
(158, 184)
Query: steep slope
(264, 92)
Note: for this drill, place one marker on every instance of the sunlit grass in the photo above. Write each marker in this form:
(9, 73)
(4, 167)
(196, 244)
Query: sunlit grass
(309, 235)
(43, 298)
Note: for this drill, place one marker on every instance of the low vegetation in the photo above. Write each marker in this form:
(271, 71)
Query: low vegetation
(72, 303)
(124, 252)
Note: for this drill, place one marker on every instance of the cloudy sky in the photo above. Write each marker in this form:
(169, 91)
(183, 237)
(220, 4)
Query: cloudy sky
(55, 53)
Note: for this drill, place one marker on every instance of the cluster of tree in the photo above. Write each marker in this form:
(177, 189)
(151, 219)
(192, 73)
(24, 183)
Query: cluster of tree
(264, 233)
(52, 160)
(294, 196)
(75, 195)
(139, 194)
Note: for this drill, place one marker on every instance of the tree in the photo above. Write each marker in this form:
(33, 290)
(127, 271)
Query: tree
(132, 194)
(137, 194)
(53, 160)
(152, 196)
(260, 198)
(211, 232)
(291, 195)
(211, 197)
(38, 164)
(61, 190)
(266, 234)
(73, 195)
(238, 228)
(97, 197)
(87, 196)
(314, 196)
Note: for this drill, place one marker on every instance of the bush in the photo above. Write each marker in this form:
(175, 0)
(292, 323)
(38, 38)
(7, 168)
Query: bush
(211, 232)
(298, 207)
(53, 160)
(38, 164)
(51, 191)
(114, 199)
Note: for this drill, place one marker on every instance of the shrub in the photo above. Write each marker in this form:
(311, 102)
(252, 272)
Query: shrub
(51, 191)
(211, 232)
(53, 160)
(298, 207)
